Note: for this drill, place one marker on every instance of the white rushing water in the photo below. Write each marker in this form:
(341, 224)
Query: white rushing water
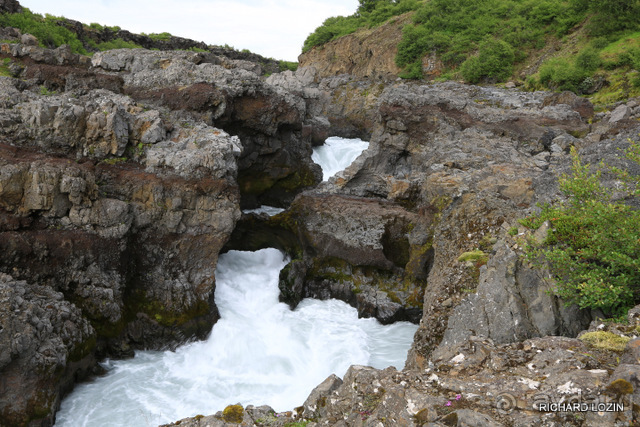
(337, 154)
(269, 210)
(259, 352)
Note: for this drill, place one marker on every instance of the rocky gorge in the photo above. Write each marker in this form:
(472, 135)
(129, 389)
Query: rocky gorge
(123, 176)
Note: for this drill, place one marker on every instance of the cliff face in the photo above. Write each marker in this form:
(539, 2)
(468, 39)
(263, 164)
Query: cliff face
(366, 53)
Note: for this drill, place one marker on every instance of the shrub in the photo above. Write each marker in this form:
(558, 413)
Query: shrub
(593, 246)
(588, 60)
(613, 15)
(159, 36)
(493, 63)
(559, 74)
(287, 65)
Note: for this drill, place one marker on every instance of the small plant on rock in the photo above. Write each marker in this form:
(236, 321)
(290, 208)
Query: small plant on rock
(593, 245)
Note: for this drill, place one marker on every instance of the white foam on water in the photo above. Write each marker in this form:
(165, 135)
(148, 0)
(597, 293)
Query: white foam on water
(337, 154)
(259, 352)
(269, 210)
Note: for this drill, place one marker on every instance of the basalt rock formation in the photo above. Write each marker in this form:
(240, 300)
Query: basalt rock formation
(119, 186)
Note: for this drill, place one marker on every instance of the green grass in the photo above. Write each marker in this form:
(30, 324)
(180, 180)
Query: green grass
(159, 36)
(4, 67)
(117, 44)
(45, 29)
(367, 16)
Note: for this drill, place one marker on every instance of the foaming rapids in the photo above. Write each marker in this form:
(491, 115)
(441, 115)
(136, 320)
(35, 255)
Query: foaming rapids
(337, 154)
(259, 352)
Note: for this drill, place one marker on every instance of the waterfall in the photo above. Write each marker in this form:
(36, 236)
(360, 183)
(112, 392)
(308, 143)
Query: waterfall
(259, 352)
(337, 154)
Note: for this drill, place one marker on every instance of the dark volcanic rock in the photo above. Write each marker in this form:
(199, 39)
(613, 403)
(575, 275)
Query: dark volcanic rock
(114, 209)
(362, 251)
(10, 6)
(275, 163)
(45, 345)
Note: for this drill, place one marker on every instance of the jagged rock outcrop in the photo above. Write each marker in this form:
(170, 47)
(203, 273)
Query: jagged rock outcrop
(466, 162)
(275, 162)
(513, 302)
(45, 345)
(367, 53)
(371, 253)
(10, 6)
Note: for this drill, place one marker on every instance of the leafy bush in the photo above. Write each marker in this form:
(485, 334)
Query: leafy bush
(611, 16)
(593, 246)
(588, 60)
(493, 63)
(287, 65)
(455, 28)
(559, 74)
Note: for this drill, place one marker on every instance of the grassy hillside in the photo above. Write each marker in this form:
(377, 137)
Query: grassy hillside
(585, 46)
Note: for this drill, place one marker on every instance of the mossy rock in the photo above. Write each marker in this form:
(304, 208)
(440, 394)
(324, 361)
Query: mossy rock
(620, 387)
(607, 341)
(233, 414)
(476, 256)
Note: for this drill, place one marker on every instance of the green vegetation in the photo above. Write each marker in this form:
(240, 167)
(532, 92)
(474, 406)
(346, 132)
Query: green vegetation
(46, 29)
(98, 27)
(114, 160)
(603, 340)
(370, 13)
(476, 256)
(483, 33)
(287, 65)
(233, 414)
(4, 67)
(46, 92)
(159, 36)
(117, 44)
(491, 40)
(593, 245)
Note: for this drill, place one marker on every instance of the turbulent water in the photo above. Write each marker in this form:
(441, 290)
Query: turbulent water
(336, 154)
(269, 210)
(259, 352)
